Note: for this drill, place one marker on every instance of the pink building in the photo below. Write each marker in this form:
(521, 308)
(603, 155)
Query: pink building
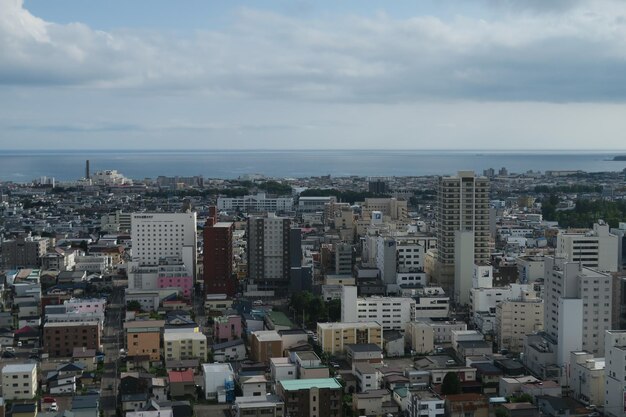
(185, 283)
(226, 328)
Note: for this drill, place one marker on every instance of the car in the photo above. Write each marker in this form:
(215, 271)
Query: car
(49, 400)
(19, 344)
(54, 407)
(36, 357)
(10, 349)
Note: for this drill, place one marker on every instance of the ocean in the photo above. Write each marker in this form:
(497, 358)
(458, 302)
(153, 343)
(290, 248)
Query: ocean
(24, 166)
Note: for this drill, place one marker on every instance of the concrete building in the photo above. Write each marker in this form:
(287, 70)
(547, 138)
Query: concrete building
(462, 216)
(19, 381)
(265, 344)
(312, 204)
(116, 222)
(530, 268)
(23, 252)
(334, 336)
(219, 382)
(311, 397)
(164, 235)
(270, 251)
(143, 338)
(258, 203)
(517, 318)
(184, 345)
(218, 257)
(578, 307)
(615, 373)
(595, 249)
(586, 378)
(59, 339)
(392, 312)
(425, 404)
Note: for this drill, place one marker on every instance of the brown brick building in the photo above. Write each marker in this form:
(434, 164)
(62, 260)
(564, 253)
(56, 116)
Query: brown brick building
(218, 256)
(60, 339)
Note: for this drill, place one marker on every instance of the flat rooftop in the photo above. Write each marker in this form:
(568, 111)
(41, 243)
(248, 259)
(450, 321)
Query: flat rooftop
(299, 384)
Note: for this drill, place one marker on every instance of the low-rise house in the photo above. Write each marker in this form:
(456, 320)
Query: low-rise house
(521, 410)
(282, 368)
(86, 406)
(253, 386)
(309, 365)
(62, 385)
(265, 406)
(375, 402)
(364, 353)
(489, 376)
(466, 405)
(182, 383)
(232, 350)
(86, 357)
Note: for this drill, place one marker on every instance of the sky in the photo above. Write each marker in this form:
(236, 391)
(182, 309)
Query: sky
(300, 74)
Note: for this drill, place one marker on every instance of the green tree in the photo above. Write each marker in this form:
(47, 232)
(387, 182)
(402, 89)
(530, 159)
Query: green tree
(451, 384)
(523, 398)
(133, 306)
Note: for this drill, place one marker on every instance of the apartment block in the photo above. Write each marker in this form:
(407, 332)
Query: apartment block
(23, 252)
(615, 373)
(59, 339)
(184, 345)
(19, 381)
(334, 336)
(311, 397)
(586, 378)
(462, 206)
(265, 344)
(517, 318)
(143, 338)
(255, 203)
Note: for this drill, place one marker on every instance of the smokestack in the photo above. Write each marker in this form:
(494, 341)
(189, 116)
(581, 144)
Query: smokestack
(87, 173)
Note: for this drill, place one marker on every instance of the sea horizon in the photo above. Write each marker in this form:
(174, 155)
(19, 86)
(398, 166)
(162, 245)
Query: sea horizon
(69, 164)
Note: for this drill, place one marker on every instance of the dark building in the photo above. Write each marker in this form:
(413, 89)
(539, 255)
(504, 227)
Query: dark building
(378, 187)
(273, 251)
(311, 397)
(60, 339)
(218, 256)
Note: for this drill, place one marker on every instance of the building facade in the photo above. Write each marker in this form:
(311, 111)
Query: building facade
(218, 258)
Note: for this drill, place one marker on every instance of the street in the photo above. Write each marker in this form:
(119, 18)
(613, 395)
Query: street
(112, 343)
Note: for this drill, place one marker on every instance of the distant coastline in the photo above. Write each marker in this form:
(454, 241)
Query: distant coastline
(619, 158)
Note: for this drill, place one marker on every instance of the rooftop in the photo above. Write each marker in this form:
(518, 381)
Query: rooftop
(363, 347)
(300, 384)
(21, 368)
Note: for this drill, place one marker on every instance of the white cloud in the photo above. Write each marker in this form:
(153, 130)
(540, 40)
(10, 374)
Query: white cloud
(577, 54)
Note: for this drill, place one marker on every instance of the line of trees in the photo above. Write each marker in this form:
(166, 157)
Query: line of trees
(586, 212)
(313, 309)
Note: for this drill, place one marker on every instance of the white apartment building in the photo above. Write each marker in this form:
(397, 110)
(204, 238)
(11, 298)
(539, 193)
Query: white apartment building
(615, 373)
(255, 203)
(184, 345)
(313, 204)
(441, 328)
(577, 309)
(109, 177)
(164, 235)
(92, 264)
(19, 381)
(530, 268)
(86, 305)
(393, 313)
(116, 222)
(596, 249)
(516, 318)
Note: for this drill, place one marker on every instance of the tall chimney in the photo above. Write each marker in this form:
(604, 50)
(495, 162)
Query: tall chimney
(87, 173)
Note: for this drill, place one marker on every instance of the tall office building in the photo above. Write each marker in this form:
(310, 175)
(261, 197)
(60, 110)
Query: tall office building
(218, 256)
(462, 217)
(269, 253)
(156, 236)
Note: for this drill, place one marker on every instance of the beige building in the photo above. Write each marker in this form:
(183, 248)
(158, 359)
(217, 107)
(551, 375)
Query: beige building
(184, 345)
(143, 338)
(586, 378)
(462, 207)
(517, 318)
(265, 344)
(19, 381)
(334, 336)
(421, 337)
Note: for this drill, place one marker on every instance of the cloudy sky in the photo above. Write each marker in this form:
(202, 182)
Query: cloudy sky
(440, 74)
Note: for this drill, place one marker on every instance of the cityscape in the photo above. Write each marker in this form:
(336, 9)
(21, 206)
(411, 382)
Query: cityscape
(305, 208)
